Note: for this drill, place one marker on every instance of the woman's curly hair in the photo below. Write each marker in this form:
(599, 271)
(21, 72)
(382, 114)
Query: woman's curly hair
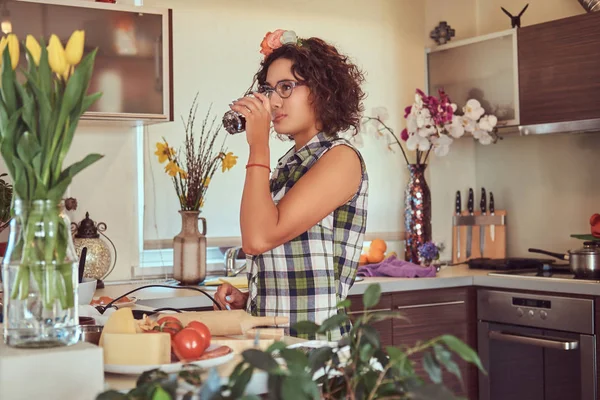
(334, 82)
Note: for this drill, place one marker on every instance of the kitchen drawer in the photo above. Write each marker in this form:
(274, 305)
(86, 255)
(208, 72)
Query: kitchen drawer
(432, 313)
(383, 327)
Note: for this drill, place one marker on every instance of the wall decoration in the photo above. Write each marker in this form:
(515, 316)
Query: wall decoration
(515, 21)
(442, 33)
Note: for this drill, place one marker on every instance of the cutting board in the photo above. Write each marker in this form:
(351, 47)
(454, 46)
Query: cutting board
(492, 249)
(240, 282)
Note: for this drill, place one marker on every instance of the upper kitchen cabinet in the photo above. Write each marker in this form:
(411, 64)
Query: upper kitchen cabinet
(133, 66)
(559, 72)
(484, 68)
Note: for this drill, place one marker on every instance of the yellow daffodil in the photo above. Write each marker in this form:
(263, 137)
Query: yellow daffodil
(229, 160)
(164, 152)
(12, 42)
(171, 168)
(74, 49)
(34, 49)
(57, 58)
(206, 181)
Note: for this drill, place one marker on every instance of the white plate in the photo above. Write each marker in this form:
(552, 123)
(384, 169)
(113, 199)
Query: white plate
(171, 367)
(119, 304)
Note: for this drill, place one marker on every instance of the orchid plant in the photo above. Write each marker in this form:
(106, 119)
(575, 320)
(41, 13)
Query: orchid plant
(432, 124)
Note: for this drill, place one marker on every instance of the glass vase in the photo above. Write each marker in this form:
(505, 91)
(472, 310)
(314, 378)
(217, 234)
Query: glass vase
(417, 212)
(40, 278)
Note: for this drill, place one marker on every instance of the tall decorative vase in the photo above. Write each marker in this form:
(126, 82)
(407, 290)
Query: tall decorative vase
(39, 275)
(417, 212)
(189, 250)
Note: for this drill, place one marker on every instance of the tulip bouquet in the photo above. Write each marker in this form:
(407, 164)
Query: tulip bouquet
(431, 124)
(38, 119)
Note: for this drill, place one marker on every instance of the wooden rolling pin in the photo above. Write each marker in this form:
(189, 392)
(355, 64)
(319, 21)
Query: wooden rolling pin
(225, 323)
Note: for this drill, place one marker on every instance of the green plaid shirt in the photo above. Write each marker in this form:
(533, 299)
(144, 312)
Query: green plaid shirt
(306, 277)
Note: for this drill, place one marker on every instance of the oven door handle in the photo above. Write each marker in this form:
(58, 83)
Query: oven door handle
(539, 341)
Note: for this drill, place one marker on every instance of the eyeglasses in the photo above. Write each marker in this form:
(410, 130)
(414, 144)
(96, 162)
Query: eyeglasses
(283, 88)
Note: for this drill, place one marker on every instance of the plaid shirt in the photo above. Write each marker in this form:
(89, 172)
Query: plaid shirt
(306, 277)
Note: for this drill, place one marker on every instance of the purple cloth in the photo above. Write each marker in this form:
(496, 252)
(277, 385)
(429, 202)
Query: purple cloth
(393, 267)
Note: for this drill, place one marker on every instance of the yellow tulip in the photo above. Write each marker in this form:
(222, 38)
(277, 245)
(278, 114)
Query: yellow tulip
(34, 49)
(57, 57)
(74, 49)
(14, 49)
(3, 43)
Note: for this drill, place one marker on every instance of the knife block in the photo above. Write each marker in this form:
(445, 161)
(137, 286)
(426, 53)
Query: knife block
(478, 222)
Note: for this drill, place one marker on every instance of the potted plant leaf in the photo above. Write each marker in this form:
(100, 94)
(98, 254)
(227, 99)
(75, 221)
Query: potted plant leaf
(357, 367)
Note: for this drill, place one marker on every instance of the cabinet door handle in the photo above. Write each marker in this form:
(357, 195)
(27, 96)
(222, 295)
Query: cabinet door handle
(445, 303)
(374, 310)
(548, 342)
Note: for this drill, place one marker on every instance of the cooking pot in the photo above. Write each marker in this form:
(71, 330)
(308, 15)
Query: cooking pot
(584, 262)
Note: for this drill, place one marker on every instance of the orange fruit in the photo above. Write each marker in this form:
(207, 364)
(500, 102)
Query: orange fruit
(363, 259)
(375, 255)
(378, 244)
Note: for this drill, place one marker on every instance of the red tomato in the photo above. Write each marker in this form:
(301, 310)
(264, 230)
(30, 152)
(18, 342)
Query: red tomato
(187, 344)
(202, 330)
(170, 325)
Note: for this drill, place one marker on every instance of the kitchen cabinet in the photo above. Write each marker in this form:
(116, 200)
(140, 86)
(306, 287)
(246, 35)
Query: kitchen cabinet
(383, 327)
(134, 63)
(559, 78)
(432, 313)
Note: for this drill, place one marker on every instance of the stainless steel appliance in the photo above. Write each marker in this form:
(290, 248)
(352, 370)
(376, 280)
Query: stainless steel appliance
(536, 347)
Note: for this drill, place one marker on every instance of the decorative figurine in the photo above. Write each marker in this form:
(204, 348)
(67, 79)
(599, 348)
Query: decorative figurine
(515, 20)
(442, 33)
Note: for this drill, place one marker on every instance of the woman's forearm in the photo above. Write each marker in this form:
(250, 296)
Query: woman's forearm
(258, 214)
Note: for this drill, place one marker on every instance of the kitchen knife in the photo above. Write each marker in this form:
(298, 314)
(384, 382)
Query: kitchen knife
(492, 227)
(469, 227)
(457, 210)
(483, 207)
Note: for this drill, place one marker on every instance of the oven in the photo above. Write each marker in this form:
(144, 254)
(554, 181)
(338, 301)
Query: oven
(536, 347)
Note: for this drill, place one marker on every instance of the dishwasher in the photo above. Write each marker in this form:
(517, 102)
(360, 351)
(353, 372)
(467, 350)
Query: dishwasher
(536, 347)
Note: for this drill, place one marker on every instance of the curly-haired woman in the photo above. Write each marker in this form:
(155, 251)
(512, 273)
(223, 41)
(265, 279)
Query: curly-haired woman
(303, 226)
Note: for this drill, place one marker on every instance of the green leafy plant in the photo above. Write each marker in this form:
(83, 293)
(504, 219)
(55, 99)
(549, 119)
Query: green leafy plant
(356, 368)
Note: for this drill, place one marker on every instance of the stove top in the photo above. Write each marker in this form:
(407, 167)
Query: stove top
(546, 271)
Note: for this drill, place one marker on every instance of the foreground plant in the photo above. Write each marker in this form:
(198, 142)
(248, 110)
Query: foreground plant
(356, 368)
(38, 119)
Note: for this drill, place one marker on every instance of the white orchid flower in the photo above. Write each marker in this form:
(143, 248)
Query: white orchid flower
(424, 118)
(456, 128)
(468, 124)
(473, 110)
(415, 142)
(427, 131)
(418, 101)
(485, 138)
(488, 122)
(380, 113)
(411, 123)
(441, 145)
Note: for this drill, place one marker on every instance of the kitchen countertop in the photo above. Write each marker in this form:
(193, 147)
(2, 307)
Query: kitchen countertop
(447, 277)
